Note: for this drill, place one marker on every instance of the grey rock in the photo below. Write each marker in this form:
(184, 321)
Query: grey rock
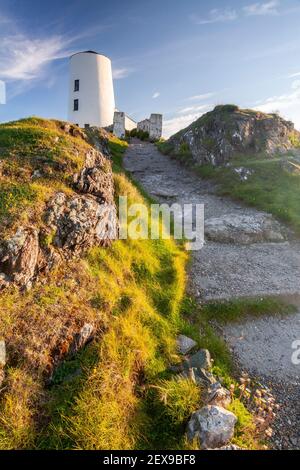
(2, 353)
(19, 256)
(37, 174)
(82, 338)
(2, 377)
(200, 360)
(213, 426)
(218, 395)
(204, 377)
(164, 193)
(185, 344)
(80, 222)
(243, 173)
(230, 447)
(244, 229)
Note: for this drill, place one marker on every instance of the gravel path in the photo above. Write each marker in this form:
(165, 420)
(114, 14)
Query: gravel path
(262, 346)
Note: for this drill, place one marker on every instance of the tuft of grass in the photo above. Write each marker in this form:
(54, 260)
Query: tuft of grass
(245, 429)
(237, 309)
(181, 397)
(117, 148)
(164, 147)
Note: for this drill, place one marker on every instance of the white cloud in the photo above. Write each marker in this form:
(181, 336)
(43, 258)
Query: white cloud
(261, 9)
(194, 109)
(204, 96)
(175, 124)
(287, 104)
(294, 75)
(24, 58)
(296, 84)
(215, 16)
(121, 73)
(155, 95)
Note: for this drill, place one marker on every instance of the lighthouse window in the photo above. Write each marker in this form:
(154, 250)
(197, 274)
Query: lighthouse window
(76, 85)
(76, 105)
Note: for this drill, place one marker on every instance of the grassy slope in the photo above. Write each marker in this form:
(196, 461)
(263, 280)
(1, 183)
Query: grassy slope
(270, 188)
(117, 393)
(27, 146)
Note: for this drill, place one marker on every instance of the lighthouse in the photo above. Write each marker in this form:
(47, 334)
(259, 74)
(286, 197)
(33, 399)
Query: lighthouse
(91, 90)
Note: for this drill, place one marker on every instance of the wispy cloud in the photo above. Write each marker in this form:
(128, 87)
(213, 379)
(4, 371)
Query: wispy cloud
(261, 9)
(215, 16)
(156, 95)
(119, 73)
(204, 96)
(184, 118)
(194, 109)
(294, 75)
(287, 104)
(24, 58)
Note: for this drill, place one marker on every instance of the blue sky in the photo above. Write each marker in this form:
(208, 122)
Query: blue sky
(177, 57)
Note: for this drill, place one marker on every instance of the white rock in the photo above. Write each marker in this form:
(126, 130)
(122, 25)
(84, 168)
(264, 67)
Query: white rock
(230, 447)
(2, 353)
(218, 395)
(185, 344)
(213, 426)
(243, 229)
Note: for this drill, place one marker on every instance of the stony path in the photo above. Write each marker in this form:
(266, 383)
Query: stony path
(263, 346)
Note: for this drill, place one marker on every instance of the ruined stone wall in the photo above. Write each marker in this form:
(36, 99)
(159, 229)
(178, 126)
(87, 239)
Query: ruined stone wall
(153, 126)
(122, 123)
(119, 124)
(144, 125)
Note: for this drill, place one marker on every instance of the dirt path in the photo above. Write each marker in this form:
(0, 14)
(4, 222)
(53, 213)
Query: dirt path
(263, 346)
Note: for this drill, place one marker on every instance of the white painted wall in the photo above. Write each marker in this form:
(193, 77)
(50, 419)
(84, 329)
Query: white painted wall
(122, 123)
(96, 91)
(129, 123)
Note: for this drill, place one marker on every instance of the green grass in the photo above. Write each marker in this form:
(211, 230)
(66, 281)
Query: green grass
(164, 147)
(183, 154)
(270, 188)
(238, 309)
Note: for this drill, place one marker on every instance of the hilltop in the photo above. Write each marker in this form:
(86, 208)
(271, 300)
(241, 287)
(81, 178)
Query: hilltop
(228, 132)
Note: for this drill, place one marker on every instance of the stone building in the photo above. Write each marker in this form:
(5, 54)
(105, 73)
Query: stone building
(153, 126)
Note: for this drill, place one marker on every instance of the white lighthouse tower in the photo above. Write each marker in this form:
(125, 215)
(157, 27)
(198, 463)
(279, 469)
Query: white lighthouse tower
(91, 90)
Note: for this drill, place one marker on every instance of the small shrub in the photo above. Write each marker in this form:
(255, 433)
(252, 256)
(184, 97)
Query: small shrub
(164, 147)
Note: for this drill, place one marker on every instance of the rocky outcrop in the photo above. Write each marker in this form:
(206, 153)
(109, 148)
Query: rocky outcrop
(244, 229)
(80, 222)
(71, 224)
(228, 131)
